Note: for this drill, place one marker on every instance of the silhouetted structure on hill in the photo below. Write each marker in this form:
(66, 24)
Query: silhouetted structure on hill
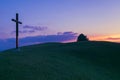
(17, 29)
(82, 37)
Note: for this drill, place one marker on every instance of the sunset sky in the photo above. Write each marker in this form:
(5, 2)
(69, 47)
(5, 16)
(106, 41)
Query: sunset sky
(56, 20)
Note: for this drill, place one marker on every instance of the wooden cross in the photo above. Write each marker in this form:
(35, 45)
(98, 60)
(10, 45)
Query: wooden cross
(17, 29)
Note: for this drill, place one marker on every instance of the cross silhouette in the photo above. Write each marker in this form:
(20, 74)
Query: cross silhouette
(17, 29)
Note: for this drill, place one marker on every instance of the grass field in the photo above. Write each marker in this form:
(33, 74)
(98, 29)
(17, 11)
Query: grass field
(62, 61)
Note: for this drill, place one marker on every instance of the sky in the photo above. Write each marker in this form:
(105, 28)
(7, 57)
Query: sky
(59, 21)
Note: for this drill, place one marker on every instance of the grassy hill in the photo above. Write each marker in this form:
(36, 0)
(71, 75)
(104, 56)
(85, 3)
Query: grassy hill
(58, 61)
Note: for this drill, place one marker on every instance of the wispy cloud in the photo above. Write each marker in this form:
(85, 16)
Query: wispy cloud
(30, 29)
(35, 28)
(23, 32)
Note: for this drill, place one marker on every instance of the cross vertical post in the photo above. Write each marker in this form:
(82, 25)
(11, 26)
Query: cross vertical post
(17, 29)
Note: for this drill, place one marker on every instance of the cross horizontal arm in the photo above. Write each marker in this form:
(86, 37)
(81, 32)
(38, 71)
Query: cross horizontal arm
(16, 21)
(20, 22)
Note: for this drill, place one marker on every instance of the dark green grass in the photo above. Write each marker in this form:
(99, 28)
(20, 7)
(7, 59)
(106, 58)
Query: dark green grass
(58, 61)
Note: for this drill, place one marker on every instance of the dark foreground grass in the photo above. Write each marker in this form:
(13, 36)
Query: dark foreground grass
(57, 61)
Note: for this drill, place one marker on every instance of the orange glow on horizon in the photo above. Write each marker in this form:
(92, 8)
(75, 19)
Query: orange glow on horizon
(111, 38)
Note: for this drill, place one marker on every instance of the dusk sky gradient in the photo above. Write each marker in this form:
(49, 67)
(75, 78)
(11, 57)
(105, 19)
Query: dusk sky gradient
(98, 19)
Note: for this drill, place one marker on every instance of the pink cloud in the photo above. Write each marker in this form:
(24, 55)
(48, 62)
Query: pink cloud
(4, 35)
(110, 38)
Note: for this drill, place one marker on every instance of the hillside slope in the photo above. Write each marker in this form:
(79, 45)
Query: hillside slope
(58, 61)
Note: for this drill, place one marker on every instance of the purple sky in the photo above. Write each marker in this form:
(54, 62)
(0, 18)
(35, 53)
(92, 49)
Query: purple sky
(99, 19)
